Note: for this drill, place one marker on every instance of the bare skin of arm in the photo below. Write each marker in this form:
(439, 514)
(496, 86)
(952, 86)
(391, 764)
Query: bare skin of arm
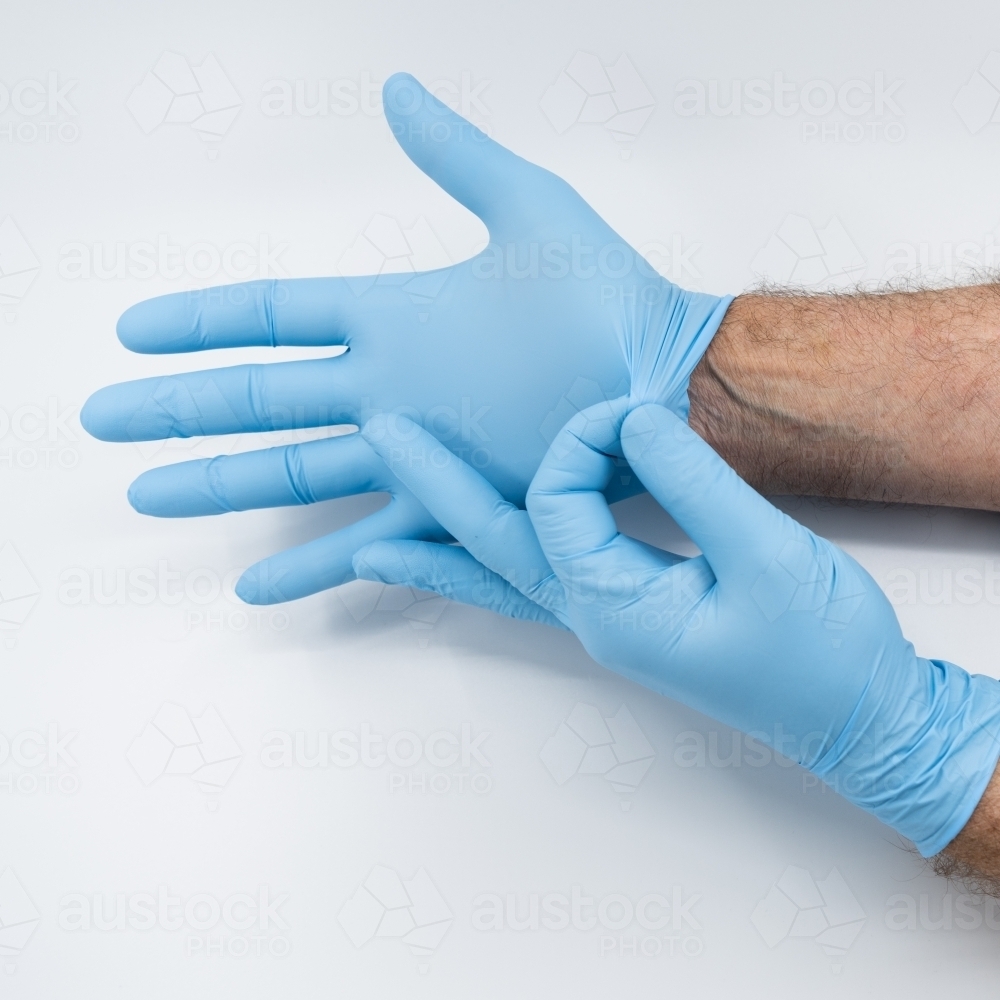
(891, 397)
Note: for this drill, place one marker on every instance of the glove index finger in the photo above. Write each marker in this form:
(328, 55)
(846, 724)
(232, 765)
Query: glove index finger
(736, 528)
(496, 532)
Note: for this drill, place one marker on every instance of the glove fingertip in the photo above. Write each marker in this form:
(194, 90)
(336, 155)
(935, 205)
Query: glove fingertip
(402, 94)
(131, 326)
(648, 422)
(377, 428)
(102, 416)
(246, 588)
(398, 78)
(137, 499)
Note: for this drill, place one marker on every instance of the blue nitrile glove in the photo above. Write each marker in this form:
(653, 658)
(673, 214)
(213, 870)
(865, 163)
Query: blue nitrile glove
(772, 630)
(493, 354)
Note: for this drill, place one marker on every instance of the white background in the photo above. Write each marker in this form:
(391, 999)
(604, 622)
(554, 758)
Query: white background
(718, 187)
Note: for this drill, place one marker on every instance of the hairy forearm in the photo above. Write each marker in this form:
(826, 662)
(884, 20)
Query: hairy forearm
(892, 397)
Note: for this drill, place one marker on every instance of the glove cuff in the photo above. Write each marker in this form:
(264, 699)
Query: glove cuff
(965, 724)
(663, 342)
(921, 758)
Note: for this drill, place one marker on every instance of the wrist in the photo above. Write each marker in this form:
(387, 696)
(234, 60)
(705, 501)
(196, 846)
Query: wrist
(966, 724)
(772, 397)
(663, 338)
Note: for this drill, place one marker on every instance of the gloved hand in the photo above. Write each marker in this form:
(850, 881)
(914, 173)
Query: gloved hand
(772, 630)
(492, 355)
